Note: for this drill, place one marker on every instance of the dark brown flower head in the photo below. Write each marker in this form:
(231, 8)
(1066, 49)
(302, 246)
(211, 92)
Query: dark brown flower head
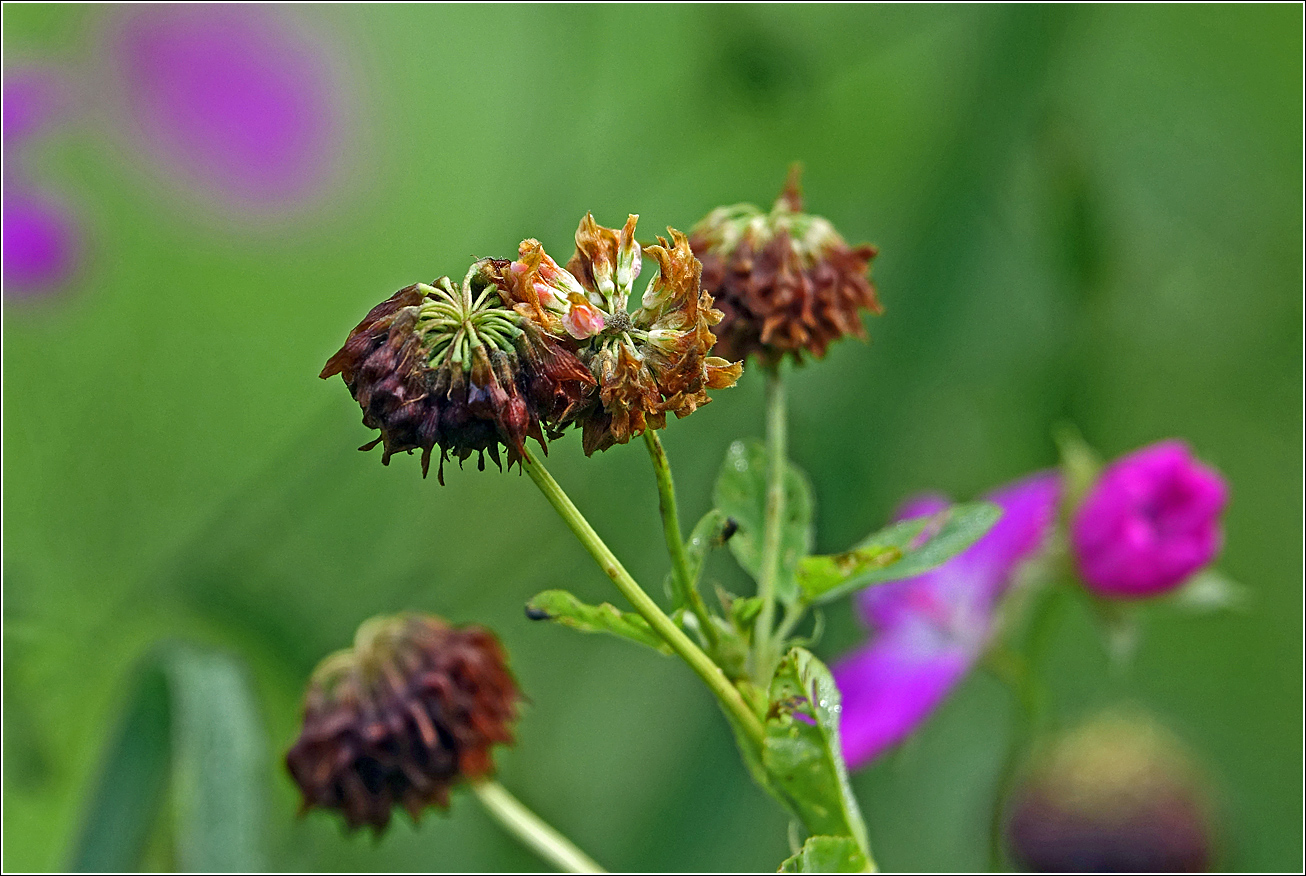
(785, 280)
(646, 364)
(1117, 794)
(459, 368)
(411, 710)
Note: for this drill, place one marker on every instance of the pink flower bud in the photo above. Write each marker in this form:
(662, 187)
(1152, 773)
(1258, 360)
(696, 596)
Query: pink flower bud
(1151, 520)
(583, 320)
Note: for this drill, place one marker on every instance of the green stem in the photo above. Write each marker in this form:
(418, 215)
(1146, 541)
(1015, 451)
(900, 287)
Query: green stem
(1029, 698)
(536, 835)
(686, 585)
(716, 680)
(772, 527)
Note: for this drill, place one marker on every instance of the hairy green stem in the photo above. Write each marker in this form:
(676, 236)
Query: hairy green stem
(765, 647)
(728, 695)
(533, 832)
(686, 587)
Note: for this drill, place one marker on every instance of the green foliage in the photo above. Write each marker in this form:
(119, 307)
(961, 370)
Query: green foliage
(741, 495)
(1080, 464)
(708, 533)
(827, 854)
(892, 554)
(191, 727)
(1063, 213)
(801, 752)
(566, 609)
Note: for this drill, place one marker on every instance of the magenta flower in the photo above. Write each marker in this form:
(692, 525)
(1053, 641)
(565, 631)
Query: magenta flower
(40, 243)
(236, 100)
(1150, 521)
(928, 631)
(42, 240)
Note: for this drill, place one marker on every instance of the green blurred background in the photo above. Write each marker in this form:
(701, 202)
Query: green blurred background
(1084, 213)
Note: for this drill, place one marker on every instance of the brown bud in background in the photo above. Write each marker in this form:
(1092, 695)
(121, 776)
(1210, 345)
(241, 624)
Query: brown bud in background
(786, 281)
(1118, 794)
(411, 710)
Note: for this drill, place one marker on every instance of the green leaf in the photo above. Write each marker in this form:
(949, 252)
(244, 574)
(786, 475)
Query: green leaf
(219, 764)
(889, 555)
(709, 532)
(828, 854)
(124, 804)
(1210, 592)
(801, 751)
(741, 495)
(190, 721)
(566, 609)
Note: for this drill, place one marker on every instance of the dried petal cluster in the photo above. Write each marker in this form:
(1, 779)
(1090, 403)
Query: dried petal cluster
(456, 368)
(411, 710)
(527, 348)
(786, 281)
(646, 364)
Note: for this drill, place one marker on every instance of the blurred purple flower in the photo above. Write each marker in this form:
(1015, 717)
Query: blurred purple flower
(928, 631)
(40, 243)
(33, 98)
(235, 98)
(40, 235)
(1150, 521)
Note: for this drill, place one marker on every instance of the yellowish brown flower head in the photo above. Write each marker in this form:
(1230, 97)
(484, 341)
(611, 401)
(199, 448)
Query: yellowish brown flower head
(414, 708)
(457, 367)
(785, 280)
(646, 364)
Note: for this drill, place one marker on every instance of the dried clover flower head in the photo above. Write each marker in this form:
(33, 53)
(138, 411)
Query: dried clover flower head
(458, 368)
(785, 280)
(646, 363)
(412, 709)
(1118, 794)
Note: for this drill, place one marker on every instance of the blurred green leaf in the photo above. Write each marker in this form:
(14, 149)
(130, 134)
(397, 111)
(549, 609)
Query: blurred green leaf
(1210, 592)
(219, 761)
(124, 803)
(190, 719)
(566, 609)
(827, 854)
(801, 751)
(888, 555)
(741, 495)
(1080, 463)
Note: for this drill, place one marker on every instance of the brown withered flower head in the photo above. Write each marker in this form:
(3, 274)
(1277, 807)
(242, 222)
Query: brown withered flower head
(646, 364)
(1118, 794)
(411, 710)
(785, 281)
(456, 367)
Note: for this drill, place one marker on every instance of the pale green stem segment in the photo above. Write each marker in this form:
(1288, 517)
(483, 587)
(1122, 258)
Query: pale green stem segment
(777, 460)
(524, 824)
(686, 585)
(728, 695)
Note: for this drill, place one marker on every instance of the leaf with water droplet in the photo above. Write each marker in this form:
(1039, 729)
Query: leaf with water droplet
(741, 495)
(801, 750)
